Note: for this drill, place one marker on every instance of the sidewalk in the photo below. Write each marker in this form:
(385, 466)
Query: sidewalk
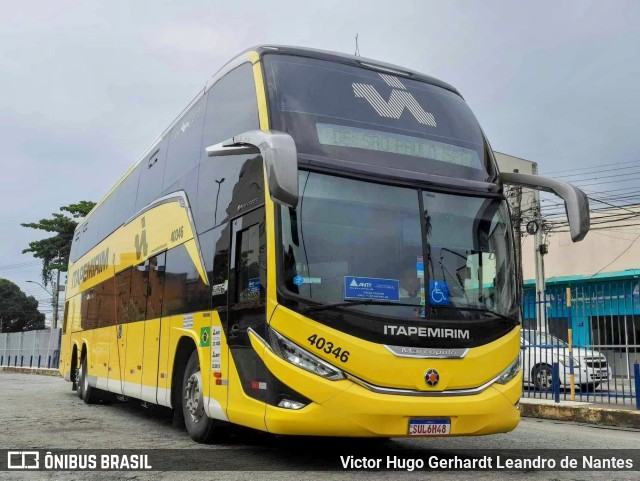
(43, 371)
(581, 412)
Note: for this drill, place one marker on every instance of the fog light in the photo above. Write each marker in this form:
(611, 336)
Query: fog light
(289, 404)
(518, 405)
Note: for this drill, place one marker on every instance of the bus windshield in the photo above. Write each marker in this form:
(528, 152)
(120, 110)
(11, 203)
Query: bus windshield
(433, 254)
(360, 117)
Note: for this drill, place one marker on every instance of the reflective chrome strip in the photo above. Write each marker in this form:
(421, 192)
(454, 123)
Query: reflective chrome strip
(411, 392)
(427, 352)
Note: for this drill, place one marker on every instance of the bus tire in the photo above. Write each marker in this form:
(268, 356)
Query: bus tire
(199, 426)
(85, 392)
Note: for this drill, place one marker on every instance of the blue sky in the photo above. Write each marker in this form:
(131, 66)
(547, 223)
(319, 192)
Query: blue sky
(86, 86)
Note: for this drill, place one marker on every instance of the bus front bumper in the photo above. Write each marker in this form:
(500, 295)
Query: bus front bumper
(359, 412)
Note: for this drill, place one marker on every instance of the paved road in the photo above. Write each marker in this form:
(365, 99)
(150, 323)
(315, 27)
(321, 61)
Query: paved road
(42, 412)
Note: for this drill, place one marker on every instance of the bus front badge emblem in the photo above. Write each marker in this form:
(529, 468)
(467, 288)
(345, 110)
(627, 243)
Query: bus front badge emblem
(431, 377)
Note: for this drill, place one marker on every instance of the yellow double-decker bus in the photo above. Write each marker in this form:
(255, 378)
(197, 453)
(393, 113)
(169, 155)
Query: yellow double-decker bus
(319, 245)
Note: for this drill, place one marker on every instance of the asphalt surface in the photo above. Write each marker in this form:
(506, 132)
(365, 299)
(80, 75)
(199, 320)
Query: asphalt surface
(41, 412)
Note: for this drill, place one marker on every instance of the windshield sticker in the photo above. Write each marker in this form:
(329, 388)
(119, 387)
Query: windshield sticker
(300, 280)
(439, 293)
(371, 288)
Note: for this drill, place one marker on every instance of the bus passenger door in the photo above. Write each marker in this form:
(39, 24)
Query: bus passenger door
(248, 389)
(155, 286)
(123, 290)
(217, 242)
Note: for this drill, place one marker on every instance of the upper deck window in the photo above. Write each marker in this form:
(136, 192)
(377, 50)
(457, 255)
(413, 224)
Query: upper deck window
(359, 116)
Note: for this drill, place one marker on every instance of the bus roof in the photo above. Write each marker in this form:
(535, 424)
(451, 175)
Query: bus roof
(328, 55)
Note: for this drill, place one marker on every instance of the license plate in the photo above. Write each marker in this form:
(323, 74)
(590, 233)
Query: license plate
(429, 427)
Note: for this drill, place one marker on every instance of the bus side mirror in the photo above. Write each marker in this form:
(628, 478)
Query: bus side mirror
(280, 157)
(575, 201)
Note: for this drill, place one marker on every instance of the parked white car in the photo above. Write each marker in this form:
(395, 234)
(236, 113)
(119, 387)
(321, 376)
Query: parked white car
(540, 350)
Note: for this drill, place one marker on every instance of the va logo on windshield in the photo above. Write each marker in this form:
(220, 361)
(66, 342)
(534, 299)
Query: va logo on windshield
(399, 100)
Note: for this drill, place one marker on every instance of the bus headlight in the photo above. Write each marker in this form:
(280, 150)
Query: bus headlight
(297, 356)
(509, 373)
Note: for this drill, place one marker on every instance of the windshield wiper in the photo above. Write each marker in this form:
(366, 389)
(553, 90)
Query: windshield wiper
(322, 307)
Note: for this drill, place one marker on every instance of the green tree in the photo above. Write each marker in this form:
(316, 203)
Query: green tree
(17, 311)
(54, 250)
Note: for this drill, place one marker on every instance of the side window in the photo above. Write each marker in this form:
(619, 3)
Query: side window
(151, 174)
(123, 289)
(65, 326)
(89, 310)
(184, 289)
(232, 107)
(184, 144)
(250, 269)
(155, 286)
(215, 244)
(138, 292)
(106, 303)
(225, 183)
(118, 207)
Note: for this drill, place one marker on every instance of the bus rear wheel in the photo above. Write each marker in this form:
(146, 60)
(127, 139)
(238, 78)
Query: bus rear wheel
(85, 391)
(199, 426)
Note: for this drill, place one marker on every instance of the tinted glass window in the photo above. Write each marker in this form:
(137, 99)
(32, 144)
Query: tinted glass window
(232, 107)
(89, 319)
(104, 293)
(184, 144)
(218, 266)
(156, 286)
(123, 289)
(151, 174)
(119, 206)
(250, 267)
(189, 184)
(138, 293)
(228, 186)
(184, 289)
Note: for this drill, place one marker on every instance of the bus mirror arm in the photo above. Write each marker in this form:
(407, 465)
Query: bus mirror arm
(575, 201)
(280, 156)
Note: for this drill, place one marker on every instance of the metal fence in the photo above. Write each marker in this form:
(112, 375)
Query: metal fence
(582, 342)
(30, 348)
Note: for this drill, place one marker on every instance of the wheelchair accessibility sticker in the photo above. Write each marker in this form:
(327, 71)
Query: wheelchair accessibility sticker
(438, 293)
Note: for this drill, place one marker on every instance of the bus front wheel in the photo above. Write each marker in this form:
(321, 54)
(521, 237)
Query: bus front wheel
(199, 426)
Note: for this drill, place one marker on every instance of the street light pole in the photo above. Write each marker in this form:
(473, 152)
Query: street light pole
(54, 301)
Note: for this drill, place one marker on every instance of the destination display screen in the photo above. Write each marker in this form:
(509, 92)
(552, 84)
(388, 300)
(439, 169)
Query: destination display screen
(342, 136)
(354, 118)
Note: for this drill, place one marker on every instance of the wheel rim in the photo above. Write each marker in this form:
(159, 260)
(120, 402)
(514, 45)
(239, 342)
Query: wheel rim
(79, 381)
(193, 397)
(85, 382)
(544, 379)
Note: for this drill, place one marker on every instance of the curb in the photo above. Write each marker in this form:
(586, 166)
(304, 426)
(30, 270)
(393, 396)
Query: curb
(42, 371)
(582, 413)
